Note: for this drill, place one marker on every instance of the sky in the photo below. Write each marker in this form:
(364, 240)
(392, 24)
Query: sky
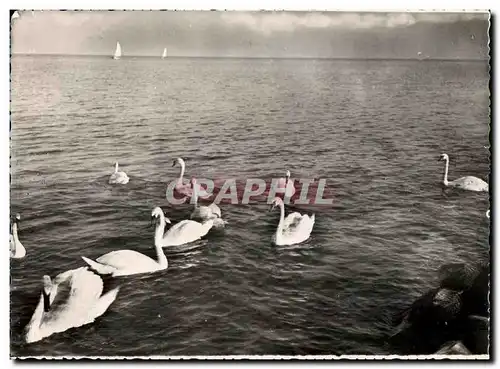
(253, 34)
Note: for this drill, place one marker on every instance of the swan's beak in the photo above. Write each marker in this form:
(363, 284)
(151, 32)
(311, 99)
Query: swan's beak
(271, 207)
(152, 221)
(175, 162)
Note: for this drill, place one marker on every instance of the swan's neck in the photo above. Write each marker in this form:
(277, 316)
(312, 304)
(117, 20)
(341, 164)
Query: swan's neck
(282, 219)
(183, 168)
(159, 232)
(14, 232)
(445, 178)
(160, 255)
(116, 167)
(195, 194)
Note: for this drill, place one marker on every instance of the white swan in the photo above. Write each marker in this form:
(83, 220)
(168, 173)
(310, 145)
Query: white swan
(182, 188)
(296, 228)
(128, 262)
(118, 177)
(286, 186)
(73, 299)
(203, 213)
(185, 231)
(466, 183)
(17, 250)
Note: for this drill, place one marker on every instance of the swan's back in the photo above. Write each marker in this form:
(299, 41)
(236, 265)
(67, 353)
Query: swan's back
(186, 231)
(118, 178)
(125, 259)
(215, 210)
(202, 212)
(292, 221)
(306, 224)
(76, 295)
(470, 183)
(17, 250)
(75, 301)
(297, 229)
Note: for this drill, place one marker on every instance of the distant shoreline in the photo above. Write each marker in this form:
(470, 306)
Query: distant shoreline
(246, 57)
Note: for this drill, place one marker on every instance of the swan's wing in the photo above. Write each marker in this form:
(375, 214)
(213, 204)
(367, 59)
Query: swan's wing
(76, 293)
(291, 222)
(118, 177)
(202, 212)
(468, 181)
(183, 227)
(306, 224)
(122, 259)
(215, 210)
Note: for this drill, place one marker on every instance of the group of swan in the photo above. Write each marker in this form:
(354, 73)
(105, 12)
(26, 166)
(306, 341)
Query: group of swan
(75, 297)
(128, 262)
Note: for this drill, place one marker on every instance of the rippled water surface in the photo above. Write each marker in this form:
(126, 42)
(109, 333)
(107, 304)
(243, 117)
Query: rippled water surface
(373, 129)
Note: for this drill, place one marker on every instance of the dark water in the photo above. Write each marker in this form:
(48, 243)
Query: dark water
(373, 129)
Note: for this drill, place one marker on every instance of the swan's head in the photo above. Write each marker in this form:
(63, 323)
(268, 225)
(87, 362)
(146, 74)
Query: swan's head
(488, 214)
(157, 213)
(276, 202)
(443, 157)
(179, 161)
(47, 290)
(47, 284)
(17, 218)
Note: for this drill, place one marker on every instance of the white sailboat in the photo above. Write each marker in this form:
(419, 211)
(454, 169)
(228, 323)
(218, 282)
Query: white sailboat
(118, 51)
(164, 55)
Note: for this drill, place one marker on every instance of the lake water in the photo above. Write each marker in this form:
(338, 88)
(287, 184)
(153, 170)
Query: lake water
(373, 129)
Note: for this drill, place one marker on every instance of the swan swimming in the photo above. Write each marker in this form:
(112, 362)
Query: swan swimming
(182, 188)
(204, 213)
(185, 231)
(286, 185)
(128, 262)
(466, 183)
(73, 299)
(293, 229)
(118, 177)
(17, 250)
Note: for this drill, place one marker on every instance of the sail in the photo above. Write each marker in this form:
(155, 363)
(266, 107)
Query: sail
(164, 53)
(118, 51)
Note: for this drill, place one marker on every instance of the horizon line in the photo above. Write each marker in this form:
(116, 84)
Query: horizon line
(252, 57)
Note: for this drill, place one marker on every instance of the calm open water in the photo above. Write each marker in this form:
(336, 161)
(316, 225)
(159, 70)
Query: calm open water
(373, 129)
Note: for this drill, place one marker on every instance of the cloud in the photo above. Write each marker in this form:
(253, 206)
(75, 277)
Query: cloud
(269, 22)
